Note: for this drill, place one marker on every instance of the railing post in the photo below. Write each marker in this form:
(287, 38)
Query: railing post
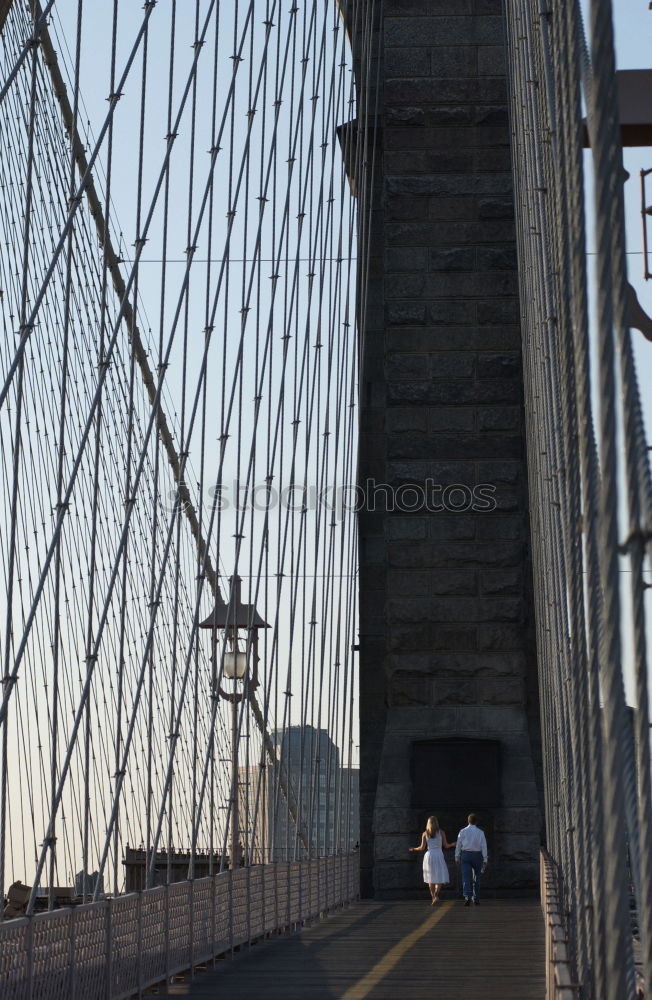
(248, 871)
(167, 935)
(139, 947)
(191, 945)
(231, 907)
(73, 953)
(213, 898)
(30, 956)
(109, 948)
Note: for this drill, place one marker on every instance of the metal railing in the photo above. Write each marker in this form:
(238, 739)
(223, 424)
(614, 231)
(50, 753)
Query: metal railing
(560, 982)
(116, 948)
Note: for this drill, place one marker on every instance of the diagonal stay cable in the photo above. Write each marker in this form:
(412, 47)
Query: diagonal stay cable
(103, 370)
(28, 325)
(39, 28)
(102, 622)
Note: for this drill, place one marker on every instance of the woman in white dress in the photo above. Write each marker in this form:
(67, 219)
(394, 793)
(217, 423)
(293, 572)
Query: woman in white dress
(435, 869)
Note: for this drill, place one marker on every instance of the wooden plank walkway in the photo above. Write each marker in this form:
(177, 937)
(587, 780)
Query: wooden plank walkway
(384, 951)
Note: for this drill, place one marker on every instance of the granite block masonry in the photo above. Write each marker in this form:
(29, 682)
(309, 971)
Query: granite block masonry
(446, 614)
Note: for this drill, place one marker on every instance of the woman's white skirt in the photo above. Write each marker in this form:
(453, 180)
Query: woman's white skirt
(435, 869)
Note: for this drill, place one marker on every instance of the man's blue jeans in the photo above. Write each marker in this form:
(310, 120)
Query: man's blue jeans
(472, 862)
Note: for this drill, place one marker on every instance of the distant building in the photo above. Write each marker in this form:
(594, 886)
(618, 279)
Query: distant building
(85, 884)
(176, 865)
(254, 799)
(310, 761)
(349, 798)
(326, 794)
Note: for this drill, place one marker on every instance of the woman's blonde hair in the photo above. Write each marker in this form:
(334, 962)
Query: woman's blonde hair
(432, 826)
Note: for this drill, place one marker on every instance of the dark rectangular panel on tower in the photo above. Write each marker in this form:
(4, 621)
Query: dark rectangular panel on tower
(460, 773)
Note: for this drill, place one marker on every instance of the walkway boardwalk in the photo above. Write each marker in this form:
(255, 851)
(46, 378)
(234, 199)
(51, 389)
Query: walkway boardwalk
(387, 950)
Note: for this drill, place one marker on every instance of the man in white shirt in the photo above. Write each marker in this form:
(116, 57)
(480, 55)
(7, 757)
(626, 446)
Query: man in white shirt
(471, 852)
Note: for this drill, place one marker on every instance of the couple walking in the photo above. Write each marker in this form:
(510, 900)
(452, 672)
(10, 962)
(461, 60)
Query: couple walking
(470, 852)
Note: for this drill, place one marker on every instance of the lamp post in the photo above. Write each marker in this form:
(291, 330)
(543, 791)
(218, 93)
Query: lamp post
(230, 619)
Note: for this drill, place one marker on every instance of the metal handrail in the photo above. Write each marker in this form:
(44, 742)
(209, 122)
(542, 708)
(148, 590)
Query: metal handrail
(561, 983)
(115, 948)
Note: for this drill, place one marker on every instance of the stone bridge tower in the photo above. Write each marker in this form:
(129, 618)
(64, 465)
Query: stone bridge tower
(449, 702)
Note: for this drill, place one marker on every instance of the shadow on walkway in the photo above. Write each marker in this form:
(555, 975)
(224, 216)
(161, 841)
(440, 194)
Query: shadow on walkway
(387, 951)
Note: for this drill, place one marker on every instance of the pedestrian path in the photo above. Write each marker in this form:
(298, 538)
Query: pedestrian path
(392, 951)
